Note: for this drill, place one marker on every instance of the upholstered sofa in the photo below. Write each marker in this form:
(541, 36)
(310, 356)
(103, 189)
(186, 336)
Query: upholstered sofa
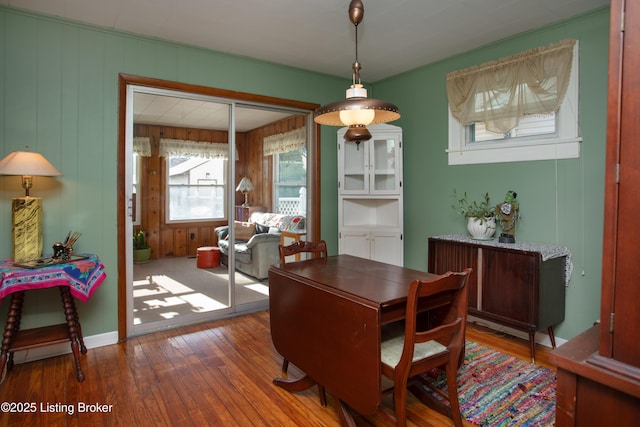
(256, 241)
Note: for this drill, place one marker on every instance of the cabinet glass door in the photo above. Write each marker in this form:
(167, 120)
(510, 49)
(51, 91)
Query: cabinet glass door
(355, 177)
(384, 170)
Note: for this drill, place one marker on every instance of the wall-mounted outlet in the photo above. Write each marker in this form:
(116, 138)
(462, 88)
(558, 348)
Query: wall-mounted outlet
(192, 236)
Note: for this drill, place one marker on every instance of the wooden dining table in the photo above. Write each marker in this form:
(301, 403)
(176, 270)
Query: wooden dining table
(326, 318)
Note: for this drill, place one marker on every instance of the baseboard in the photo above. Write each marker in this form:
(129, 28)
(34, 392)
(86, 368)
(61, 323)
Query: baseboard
(92, 341)
(541, 338)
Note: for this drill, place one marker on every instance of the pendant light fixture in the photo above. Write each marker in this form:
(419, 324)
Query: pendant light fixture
(356, 111)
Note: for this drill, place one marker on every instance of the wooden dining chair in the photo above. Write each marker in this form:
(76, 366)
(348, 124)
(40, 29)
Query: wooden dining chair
(316, 249)
(411, 351)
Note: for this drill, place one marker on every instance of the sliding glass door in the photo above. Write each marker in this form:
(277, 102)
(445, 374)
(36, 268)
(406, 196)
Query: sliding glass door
(184, 155)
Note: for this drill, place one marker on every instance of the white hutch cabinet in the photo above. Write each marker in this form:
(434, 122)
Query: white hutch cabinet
(370, 208)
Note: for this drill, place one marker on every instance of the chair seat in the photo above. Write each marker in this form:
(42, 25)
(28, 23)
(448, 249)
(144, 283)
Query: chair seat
(391, 350)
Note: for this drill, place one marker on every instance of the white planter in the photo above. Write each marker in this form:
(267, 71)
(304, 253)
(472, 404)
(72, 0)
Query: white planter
(481, 228)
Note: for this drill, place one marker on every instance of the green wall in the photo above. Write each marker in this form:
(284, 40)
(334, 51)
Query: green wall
(58, 86)
(59, 95)
(561, 202)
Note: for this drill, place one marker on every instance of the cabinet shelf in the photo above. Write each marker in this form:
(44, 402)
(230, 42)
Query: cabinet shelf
(385, 172)
(372, 227)
(370, 212)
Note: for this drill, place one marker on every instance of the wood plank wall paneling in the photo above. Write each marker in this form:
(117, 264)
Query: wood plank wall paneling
(169, 240)
(261, 167)
(172, 240)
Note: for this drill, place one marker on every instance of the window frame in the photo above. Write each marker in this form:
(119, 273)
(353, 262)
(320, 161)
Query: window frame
(563, 144)
(167, 193)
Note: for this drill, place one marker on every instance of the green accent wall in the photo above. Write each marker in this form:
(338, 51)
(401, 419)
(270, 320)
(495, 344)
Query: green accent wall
(561, 202)
(59, 96)
(59, 93)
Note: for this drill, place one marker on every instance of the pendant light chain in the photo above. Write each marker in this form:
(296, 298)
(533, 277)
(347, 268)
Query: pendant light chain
(356, 111)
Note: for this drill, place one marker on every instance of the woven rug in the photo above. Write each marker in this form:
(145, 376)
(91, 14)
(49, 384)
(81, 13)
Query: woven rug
(495, 389)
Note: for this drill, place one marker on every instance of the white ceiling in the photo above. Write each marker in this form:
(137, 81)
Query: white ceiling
(164, 110)
(395, 35)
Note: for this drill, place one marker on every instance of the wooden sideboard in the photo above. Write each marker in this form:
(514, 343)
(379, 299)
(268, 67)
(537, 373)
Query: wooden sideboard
(520, 285)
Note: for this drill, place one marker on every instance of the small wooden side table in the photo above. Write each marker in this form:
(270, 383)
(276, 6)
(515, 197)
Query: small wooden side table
(79, 278)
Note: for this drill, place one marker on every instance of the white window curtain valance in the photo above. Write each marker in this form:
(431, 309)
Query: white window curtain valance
(284, 142)
(142, 146)
(181, 147)
(499, 93)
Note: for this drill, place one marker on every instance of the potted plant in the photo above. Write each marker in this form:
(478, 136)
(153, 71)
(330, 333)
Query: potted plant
(480, 215)
(141, 249)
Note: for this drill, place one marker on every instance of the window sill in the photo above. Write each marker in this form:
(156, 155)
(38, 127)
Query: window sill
(558, 149)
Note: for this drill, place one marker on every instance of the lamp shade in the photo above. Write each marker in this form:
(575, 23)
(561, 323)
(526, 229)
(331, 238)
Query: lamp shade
(245, 185)
(332, 114)
(27, 163)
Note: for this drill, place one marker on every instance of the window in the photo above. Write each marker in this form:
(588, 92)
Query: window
(196, 188)
(531, 125)
(290, 177)
(289, 154)
(537, 136)
(196, 183)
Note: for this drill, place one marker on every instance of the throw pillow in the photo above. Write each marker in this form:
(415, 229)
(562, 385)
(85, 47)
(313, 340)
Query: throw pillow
(261, 229)
(244, 230)
(296, 223)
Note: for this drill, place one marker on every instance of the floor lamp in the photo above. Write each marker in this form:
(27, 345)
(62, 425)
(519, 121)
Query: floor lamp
(27, 210)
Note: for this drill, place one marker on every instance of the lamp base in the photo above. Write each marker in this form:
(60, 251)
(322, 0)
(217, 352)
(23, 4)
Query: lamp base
(27, 228)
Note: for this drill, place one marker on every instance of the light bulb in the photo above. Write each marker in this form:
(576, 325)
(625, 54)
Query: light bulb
(357, 117)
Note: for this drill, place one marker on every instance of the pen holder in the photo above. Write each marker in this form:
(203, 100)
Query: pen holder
(62, 252)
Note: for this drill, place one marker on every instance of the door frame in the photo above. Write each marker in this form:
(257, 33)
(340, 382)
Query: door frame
(124, 80)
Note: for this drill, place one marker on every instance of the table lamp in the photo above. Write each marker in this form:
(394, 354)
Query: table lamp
(245, 186)
(27, 210)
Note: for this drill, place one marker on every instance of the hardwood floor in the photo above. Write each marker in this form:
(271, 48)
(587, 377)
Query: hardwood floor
(218, 373)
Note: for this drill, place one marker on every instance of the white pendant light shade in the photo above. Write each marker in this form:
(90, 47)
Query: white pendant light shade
(355, 117)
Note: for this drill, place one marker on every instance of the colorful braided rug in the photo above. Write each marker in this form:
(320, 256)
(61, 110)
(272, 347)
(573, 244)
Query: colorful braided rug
(495, 389)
